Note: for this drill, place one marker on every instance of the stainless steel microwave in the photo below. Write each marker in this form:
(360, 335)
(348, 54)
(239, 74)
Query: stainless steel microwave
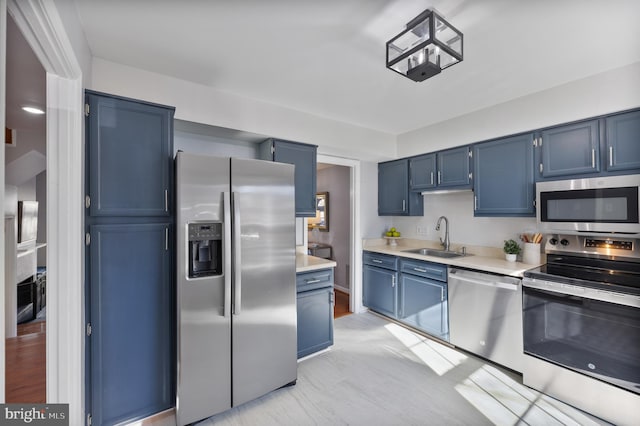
(602, 205)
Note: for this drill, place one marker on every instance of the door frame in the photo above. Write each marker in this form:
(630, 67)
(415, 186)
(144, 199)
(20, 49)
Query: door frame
(42, 27)
(355, 238)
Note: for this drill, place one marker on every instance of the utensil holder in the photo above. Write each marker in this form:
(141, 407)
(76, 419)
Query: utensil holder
(531, 253)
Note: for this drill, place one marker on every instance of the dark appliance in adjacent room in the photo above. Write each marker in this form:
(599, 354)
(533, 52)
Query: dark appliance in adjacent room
(581, 318)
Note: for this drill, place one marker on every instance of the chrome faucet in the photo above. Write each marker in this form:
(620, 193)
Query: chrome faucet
(446, 243)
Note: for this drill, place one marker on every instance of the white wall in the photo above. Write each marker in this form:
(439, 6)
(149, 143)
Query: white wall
(202, 104)
(464, 229)
(612, 91)
(372, 225)
(336, 181)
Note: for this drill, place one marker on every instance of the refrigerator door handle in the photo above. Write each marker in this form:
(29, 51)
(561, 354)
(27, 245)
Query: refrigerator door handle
(226, 201)
(237, 250)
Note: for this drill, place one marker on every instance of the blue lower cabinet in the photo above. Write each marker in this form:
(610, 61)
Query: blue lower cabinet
(380, 290)
(422, 299)
(315, 311)
(423, 305)
(131, 343)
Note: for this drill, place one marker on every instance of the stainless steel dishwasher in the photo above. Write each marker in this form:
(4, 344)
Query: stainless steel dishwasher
(485, 315)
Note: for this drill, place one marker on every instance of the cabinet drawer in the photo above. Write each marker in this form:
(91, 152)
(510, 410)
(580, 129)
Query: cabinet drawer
(435, 271)
(380, 260)
(312, 280)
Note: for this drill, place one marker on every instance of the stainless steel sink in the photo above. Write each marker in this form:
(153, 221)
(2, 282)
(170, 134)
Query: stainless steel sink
(436, 253)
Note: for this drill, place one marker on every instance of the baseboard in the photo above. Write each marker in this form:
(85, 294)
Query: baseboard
(342, 289)
(163, 418)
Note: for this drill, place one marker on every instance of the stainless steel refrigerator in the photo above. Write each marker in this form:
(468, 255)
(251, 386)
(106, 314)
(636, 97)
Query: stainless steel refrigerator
(236, 282)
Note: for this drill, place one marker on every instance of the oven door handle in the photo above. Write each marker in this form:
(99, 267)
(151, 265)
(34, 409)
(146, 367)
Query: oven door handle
(582, 292)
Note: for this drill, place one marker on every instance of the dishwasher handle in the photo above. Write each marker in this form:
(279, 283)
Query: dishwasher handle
(507, 286)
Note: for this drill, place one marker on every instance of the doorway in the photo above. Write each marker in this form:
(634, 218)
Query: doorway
(340, 178)
(25, 222)
(42, 27)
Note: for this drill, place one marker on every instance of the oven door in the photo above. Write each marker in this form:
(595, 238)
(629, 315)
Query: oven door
(593, 332)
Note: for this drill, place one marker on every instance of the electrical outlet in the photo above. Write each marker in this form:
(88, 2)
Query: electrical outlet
(421, 230)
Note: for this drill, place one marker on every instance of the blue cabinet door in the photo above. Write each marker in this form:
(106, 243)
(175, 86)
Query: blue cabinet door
(423, 304)
(380, 290)
(423, 173)
(315, 320)
(394, 197)
(130, 157)
(623, 142)
(304, 157)
(132, 319)
(573, 149)
(454, 168)
(504, 178)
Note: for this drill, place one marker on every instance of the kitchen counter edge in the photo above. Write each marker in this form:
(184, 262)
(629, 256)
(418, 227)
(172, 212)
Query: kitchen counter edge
(477, 262)
(306, 263)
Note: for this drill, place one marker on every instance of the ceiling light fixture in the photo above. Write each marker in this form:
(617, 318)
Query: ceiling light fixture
(33, 110)
(428, 45)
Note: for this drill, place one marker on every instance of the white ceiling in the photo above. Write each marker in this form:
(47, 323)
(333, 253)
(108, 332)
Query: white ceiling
(327, 57)
(25, 83)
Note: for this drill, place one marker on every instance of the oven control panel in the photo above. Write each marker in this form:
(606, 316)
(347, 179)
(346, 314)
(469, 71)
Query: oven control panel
(609, 244)
(594, 246)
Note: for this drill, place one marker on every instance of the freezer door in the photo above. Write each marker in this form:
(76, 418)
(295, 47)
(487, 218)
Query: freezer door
(204, 325)
(264, 299)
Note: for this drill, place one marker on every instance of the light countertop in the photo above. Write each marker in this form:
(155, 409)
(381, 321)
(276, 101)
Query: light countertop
(482, 259)
(305, 263)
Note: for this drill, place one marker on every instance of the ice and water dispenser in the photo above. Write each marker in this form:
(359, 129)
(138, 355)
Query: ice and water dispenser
(205, 249)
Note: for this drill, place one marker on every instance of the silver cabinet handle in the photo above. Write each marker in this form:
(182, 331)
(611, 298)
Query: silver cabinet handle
(442, 294)
(439, 177)
(611, 155)
(431, 178)
(226, 201)
(166, 200)
(475, 202)
(312, 281)
(393, 280)
(593, 158)
(420, 270)
(166, 239)
(237, 255)
(376, 260)
(404, 204)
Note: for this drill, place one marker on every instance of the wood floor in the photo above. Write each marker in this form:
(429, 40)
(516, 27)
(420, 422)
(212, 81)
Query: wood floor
(26, 364)
(341, 306)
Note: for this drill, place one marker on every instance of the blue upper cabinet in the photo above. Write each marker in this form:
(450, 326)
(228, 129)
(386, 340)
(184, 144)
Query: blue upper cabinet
(504, 181)
(623, 142)
(454, 168)
(130, 156)
(570, 150)
(450, 169)
(304, 157)
(423, 172)
(394, 197)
